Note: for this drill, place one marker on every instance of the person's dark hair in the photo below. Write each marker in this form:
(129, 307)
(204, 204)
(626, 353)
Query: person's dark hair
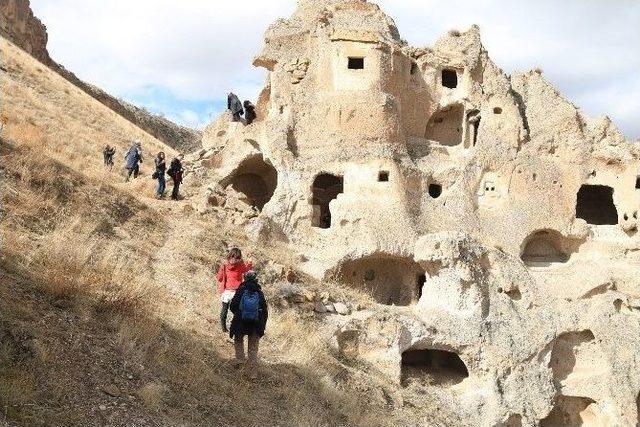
(161, 153)
(234, 253)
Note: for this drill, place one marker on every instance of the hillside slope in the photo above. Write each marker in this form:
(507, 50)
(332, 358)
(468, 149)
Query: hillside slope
(19, 25)
(107, 306)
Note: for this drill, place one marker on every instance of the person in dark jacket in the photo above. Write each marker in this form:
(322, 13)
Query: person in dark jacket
(175, 172)
(235, 106)
(161, 167)
(249, 112)
(254, 330)
(133, 158)
(108, 154)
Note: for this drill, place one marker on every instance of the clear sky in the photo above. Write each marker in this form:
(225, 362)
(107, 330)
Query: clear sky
(180, 58)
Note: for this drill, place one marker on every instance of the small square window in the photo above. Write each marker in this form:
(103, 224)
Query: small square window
(497, 110)
(383, 176)
(489, 186)
(450, 79)
(356, 63)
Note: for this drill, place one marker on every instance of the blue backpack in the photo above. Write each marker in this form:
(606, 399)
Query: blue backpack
(250, 306)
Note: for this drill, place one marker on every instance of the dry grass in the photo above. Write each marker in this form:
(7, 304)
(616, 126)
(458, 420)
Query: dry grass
(66, 267)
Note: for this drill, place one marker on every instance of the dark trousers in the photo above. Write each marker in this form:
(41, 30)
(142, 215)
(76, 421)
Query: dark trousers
(223, 316)
(236, 117)
(133, 171)
(176, 189)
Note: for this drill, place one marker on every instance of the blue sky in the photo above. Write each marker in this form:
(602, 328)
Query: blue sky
(181, 58)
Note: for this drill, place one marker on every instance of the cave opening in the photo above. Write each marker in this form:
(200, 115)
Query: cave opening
(595, 205)
(431, 366)
(325, 188)
(390, 280)
(255, 179)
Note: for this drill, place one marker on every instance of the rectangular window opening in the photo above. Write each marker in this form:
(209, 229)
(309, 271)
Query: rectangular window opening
(414, 68)
(638, 183)
(356, 63)
(383, 176)
(449, 79)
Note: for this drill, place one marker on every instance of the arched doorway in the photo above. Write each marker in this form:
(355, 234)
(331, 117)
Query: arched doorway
(254, 178)
(543, 248)
(446, 126)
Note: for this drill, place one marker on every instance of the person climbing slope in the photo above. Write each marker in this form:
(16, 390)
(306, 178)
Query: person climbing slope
(108, 154)
(250, 314)
(230, 276)
(133, 158)
(159, 174)
(249, 112)
(235, 106)
(175, 172)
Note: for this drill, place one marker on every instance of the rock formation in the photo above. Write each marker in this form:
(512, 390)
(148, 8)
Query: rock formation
(18, 24)
(494, 223)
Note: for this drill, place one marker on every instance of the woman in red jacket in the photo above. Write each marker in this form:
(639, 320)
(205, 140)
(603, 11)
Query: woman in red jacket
(230, 276)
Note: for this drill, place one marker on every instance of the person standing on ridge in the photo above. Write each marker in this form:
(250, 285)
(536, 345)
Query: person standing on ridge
(250, 314)
(175, 172)
(230, 275)
(161, 167)
(235, 106)
(249, 112)
(133, 158)
(108, 154)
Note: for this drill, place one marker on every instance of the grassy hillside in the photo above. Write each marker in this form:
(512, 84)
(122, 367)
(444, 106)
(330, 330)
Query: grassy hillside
(107, 307)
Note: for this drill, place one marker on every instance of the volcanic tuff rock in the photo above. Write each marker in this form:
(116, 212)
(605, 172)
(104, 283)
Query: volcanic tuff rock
(18, 24)
(494, 223)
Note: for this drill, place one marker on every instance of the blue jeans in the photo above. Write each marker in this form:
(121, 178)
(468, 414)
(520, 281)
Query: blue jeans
(162, 183)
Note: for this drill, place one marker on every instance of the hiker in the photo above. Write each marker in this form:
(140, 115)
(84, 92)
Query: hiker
(108, 154)
(249, 112)
(235, 106)
(133, 158)
(175, 172)
(161, 167)
(250, 314)
(229, 277)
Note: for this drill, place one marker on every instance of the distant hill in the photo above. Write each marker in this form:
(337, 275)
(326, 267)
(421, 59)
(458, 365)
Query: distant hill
(21, 26)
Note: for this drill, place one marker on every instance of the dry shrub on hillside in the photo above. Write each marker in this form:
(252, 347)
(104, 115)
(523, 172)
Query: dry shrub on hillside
(65, 267)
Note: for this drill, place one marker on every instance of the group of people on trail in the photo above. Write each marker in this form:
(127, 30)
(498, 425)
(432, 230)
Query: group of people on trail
(238, 109)
(241, 294)
(133, 158)
(175, 172)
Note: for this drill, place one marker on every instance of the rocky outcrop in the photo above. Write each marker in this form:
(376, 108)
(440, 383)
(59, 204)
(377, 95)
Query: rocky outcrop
(18, 24)
(494, 223)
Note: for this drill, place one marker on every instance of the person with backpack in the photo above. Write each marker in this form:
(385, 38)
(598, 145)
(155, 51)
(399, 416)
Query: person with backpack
(175, 172)
(161, 167)
(249, 112)
(108, 154)
(250, 314)
(230, 276)
(133, 158)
